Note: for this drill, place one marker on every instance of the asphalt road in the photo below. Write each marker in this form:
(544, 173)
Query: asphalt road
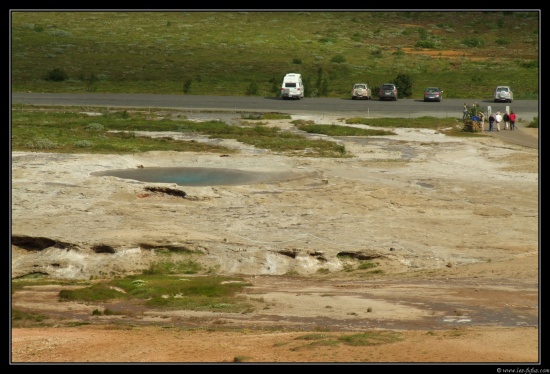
(402, 108)
(406, 108)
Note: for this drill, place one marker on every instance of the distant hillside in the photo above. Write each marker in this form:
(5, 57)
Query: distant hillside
(467, 54)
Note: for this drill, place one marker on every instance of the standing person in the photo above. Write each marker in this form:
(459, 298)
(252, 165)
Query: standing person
(482, 117)
(491, 122)
(465, 111)
(506, 119)
(512, 120)
(498, 119)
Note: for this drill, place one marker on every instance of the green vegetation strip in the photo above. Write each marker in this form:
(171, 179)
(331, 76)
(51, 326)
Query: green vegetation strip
(363, 339)
(104, 131)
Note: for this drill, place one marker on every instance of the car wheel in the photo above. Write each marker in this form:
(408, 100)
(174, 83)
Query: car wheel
(353, 98)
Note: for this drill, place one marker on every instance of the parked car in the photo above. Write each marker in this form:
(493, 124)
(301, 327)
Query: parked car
(361, 91)
(292, 87)
(503, 94)
(388, 91)
(433, 94)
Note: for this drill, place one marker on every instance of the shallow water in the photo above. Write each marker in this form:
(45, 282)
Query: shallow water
(188, 176)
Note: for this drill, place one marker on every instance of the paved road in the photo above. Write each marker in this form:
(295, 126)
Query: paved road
(404, 108)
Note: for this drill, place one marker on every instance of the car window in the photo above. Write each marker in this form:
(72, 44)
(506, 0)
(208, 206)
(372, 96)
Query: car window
(360, 86)
(290, 84)
(387, 87)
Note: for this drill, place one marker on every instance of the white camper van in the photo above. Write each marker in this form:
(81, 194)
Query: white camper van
(292, 87)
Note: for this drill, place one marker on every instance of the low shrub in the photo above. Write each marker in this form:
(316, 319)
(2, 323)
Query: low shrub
(94, 126)
(338, 59)
(83, 144)
(57, 75)
(534, 123)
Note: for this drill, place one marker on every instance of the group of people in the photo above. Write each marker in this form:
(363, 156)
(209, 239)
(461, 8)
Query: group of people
(467, 112)
(508, 120)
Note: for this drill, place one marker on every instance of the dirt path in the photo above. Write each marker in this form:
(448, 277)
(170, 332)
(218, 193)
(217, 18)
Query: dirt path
(90, 344)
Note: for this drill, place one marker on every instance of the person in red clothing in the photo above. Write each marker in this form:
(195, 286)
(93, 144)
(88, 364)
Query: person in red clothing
(512, 117)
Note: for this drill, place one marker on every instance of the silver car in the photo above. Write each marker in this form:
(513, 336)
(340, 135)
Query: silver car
(361, 91)
(503, 94)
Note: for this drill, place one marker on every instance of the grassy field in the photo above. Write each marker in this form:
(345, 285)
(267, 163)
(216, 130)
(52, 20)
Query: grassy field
(467, 54)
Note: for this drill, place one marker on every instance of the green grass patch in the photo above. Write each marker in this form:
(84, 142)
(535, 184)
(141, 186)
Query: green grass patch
(266, 116)
(423, 122)
(376, 272)
(179, 267)
(463, 133)
(362, 339)
(162, 287)
(95, 292)
(371, 338)
(367, 265)
(337, 130)
(19, 317)
(65, 130)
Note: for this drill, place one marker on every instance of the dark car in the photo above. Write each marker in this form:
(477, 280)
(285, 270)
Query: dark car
(433, 94)
(388, 91)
